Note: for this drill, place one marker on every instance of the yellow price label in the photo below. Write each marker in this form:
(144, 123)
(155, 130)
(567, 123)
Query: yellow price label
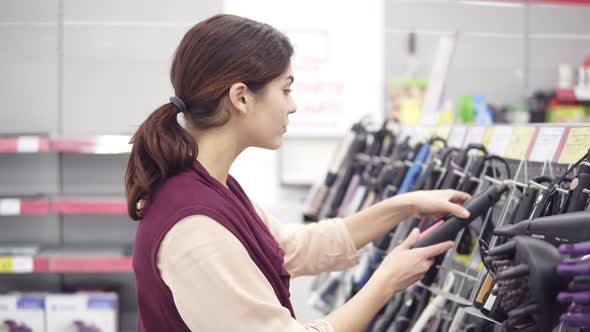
(576, 145)
(487, 137)
(519, 142)
(442, 131)
(5, 264)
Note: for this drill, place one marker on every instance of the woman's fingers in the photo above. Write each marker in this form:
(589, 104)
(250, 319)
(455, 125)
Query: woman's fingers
(435, 250)
(458, 197)
(456, 210)
(410, 240)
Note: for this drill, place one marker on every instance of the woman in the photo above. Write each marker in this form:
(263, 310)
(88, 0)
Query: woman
(206, 258)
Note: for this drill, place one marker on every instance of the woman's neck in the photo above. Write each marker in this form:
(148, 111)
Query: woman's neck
(217, 151)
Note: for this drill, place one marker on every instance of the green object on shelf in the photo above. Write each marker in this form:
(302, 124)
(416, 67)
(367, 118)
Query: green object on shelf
(420, 82)
(465, 109)
(566, 113)
(408, 82)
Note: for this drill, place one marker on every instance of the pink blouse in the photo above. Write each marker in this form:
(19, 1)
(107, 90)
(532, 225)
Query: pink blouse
(210, 273)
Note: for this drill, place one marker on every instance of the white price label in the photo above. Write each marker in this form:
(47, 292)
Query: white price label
(457, 136)
(500, 140)
(491, 300)
(544, 147)
(475, 135)
(27, 144)
(22, 264)
(9, 207)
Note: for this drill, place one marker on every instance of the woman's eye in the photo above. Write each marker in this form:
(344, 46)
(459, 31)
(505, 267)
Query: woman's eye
(287, 91)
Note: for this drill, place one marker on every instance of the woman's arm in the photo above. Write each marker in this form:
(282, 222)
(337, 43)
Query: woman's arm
(374, 221)
(400, 269)
(313, 248)
(217, 287)
(331, 245)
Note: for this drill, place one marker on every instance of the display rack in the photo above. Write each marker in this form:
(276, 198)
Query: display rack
(525, 152)
(532, 151)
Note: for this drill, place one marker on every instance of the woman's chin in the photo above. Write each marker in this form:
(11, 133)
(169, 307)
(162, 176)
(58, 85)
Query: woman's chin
(275, 143)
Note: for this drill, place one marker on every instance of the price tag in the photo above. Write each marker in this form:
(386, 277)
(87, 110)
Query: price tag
(440, 131)
(519, 142)
(27, 144)
(9, 207)
(423, 134)
(16, 264)
(499, 139)
(546, 144)
(475, 135)
(576, 145)
(457, 136)
(487, 137)
(22, 264)
(443, 131)
(5, 264)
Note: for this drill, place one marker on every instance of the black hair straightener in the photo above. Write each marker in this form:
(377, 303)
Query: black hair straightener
(353, 143)
(548, 201)
(338, 190)
(577, 199)
(458, 161)
(448, 228)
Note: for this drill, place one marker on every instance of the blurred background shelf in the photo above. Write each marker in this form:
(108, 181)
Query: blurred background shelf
(79, 259)
(102, 144)
(63, 206)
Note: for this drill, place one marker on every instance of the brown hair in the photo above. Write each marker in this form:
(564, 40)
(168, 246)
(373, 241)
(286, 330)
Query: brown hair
(212, 56)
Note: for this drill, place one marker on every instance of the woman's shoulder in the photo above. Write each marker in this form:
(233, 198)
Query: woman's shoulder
(184, 184)
(184, 191)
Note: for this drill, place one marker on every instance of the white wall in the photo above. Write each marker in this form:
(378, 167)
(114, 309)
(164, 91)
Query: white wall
(338, 68)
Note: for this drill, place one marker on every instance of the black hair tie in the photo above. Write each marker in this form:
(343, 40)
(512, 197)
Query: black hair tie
(180, 105)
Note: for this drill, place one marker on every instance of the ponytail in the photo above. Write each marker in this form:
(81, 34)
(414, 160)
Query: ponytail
(161, 148)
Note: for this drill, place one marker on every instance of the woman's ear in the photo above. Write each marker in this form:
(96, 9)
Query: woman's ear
(239, 97)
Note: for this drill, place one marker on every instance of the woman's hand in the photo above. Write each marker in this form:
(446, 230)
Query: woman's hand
(404, 266)
(401, 268)
(437, 203)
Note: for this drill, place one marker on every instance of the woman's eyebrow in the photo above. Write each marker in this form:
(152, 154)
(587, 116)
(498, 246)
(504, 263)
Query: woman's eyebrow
(291, 78)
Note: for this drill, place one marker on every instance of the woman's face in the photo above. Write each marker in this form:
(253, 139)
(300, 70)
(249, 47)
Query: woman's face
(267, 118)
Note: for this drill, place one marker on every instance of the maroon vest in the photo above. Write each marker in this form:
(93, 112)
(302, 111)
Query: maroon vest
(193, 192)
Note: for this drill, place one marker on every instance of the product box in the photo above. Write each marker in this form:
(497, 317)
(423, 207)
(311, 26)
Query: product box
(82, 312)
(22, 312)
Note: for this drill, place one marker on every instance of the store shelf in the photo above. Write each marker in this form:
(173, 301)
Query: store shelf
(24, 144)
(89, 264)
(65, 264)
(24, 206)
(63, 206)
(105, 144)
(68, 206)
(22, 264)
